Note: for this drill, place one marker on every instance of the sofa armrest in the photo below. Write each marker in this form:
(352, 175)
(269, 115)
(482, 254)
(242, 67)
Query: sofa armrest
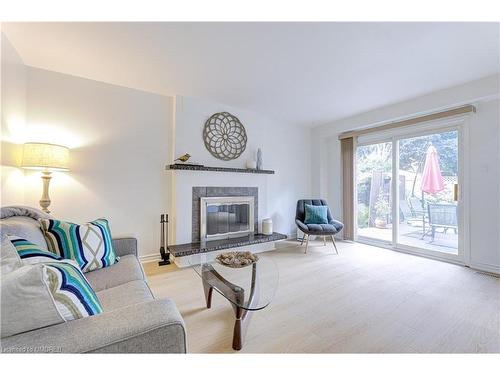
(148, 327)
(125, 246)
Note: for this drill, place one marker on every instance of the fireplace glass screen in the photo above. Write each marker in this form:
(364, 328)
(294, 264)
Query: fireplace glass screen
(227, 218)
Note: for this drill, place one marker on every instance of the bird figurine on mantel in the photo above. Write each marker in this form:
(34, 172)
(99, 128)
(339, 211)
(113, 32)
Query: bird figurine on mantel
(184, 158)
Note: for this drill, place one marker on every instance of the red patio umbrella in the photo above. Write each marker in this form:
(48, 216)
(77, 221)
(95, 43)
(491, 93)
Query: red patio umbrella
(432, 180)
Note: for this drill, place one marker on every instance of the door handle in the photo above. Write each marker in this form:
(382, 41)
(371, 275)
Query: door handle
(455, 192)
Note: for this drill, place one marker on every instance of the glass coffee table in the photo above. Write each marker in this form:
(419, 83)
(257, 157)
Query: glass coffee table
(248, 289)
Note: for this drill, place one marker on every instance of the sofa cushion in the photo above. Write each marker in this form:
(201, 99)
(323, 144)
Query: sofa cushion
(127, 269)
(44, 294)
(123, 295)
(88, 244)
(24, 227)
(154, 326)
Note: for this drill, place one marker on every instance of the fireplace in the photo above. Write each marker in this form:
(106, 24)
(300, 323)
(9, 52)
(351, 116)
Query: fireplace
(226, 217)
(221, 192)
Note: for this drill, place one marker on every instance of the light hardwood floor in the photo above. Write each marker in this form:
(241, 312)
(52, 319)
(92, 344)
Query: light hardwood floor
(364, 300)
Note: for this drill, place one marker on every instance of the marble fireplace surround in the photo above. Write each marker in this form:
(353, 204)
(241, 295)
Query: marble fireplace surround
(219, 191)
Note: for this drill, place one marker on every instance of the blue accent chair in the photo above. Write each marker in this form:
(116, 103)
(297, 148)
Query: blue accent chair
(322, 230)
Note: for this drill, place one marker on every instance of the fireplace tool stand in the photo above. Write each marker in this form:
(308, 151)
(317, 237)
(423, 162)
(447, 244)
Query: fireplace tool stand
(165, 255)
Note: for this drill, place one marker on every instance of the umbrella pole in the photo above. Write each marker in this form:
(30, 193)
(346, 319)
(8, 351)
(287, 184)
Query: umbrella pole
(420, 166)
(423, 215)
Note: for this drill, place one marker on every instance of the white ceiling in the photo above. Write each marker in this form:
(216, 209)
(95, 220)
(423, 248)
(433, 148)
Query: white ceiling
(305, 73)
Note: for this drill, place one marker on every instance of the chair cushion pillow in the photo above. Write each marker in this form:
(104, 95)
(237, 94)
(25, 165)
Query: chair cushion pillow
(88, 244)
(316, 214)
(44, 294)
(31, 253)
(321, 229)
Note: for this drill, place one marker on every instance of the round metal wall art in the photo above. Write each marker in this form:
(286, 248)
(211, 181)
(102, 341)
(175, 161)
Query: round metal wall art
(225, 136)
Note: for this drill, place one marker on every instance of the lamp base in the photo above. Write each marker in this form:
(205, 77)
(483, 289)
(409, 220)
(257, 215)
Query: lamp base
(45, 200)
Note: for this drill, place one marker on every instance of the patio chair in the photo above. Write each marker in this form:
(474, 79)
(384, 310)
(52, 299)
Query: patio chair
(442, 216)
(419, 212)
(416, 206)
(407, 214)
(323, 230)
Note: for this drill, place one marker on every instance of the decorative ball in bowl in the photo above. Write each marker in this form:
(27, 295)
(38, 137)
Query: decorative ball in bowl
(237, 259)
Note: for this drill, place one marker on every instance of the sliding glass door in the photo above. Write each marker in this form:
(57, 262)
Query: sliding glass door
(428, 177)
(373, 188)
(407, 191)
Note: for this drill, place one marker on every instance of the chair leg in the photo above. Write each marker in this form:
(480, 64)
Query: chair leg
(302, 242)
(334, 244)
(324, 240)
(307, 244)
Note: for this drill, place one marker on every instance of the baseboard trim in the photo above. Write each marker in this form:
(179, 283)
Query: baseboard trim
(486, 267)
(149, 258)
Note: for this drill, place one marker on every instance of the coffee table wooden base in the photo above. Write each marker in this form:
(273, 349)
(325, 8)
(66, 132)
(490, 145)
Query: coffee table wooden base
(210, 279)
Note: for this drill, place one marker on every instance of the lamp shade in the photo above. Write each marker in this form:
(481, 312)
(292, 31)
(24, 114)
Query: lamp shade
(45, 156)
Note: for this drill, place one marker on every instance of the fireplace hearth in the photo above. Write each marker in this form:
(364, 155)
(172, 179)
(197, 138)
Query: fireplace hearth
(230, 215)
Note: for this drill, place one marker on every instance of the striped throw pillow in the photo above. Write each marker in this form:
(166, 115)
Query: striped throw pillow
(31, 253)
(88, 244)
(43, 294)
(72, 293)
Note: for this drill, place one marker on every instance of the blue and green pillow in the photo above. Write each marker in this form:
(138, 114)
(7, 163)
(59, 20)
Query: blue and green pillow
(57, 289)
(31, 253)
(43, 294)
(73, 296)
(89, 244)
(316, 214)
(72, 293)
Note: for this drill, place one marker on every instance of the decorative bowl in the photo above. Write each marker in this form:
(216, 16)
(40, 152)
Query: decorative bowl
(237, 259)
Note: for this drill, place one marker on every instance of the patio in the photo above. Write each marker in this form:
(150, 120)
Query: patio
(411, 235)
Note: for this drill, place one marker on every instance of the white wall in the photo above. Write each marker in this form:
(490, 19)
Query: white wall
(484, 219)
(119, 145)
(13, 108)
(484, 142)
(120, 141)
(285, 148)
